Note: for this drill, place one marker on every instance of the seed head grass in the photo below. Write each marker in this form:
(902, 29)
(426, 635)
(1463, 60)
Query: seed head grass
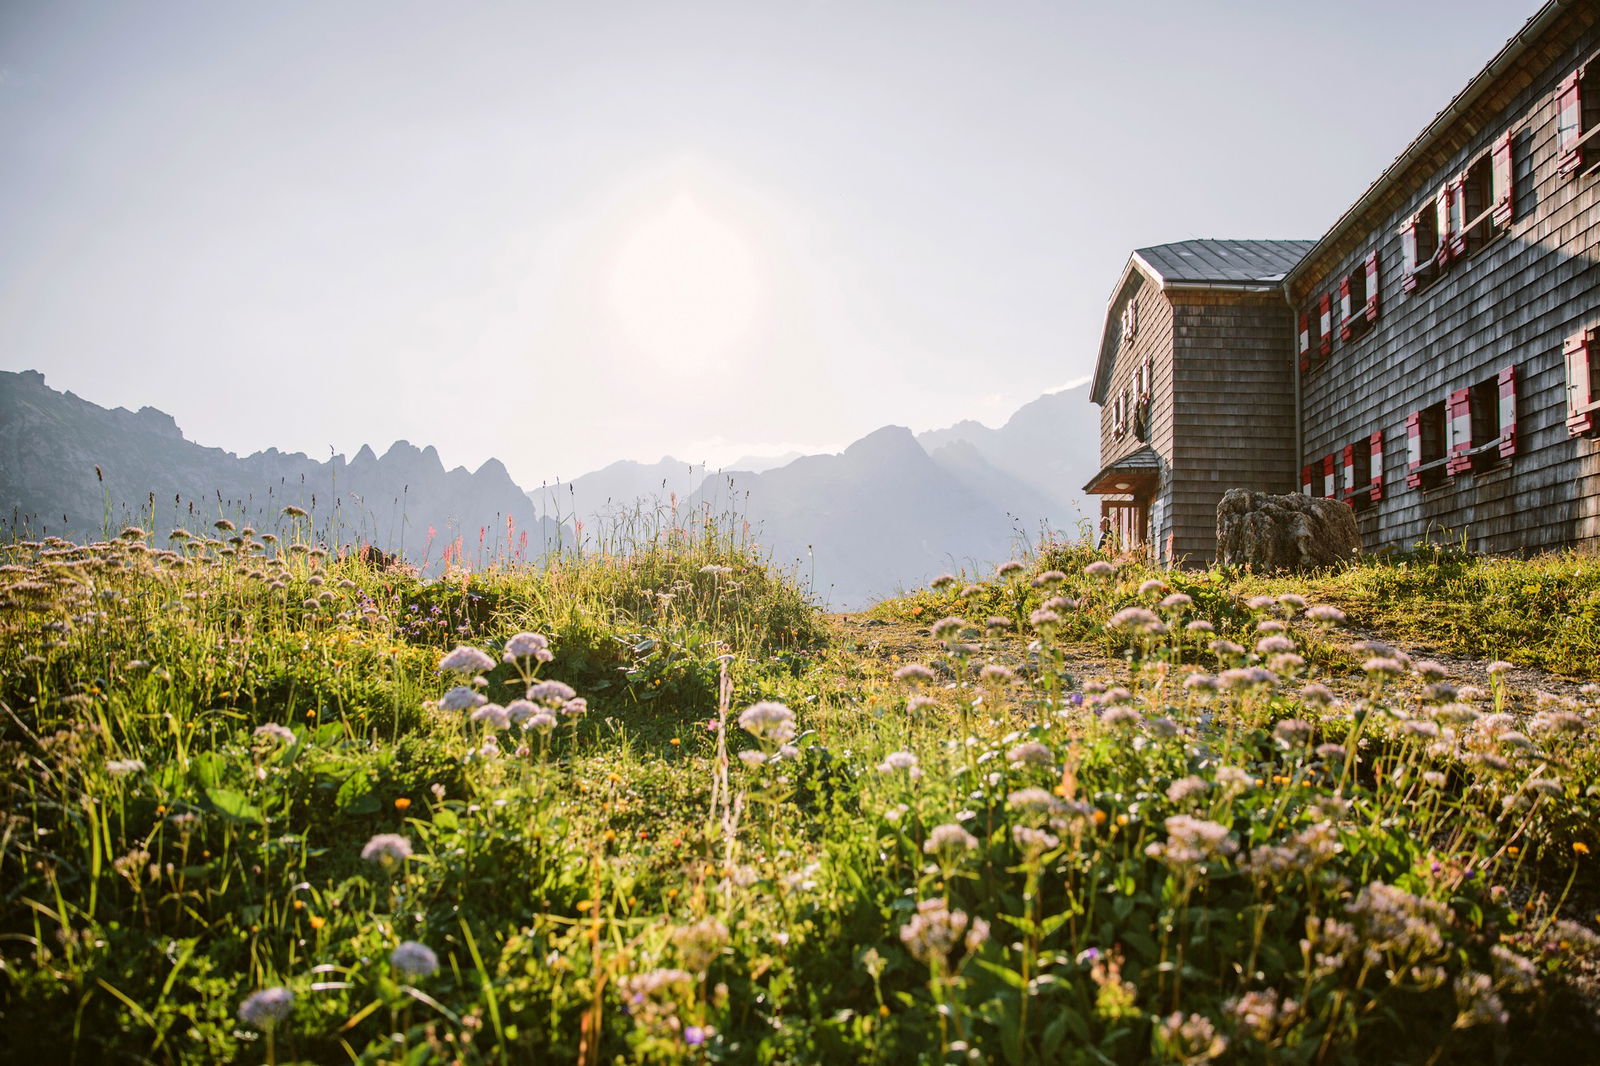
(646, 803)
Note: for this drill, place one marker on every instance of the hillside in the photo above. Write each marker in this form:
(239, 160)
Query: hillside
(262, 807)
(880, 515)
(71, 468)
(1050, 445)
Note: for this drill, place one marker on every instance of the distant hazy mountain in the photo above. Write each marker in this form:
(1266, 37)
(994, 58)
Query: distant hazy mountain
(879, 516)
(755, 464)
(75, 469)
(889, 512)
(1050, 446)
(609, 497)
(618, 496)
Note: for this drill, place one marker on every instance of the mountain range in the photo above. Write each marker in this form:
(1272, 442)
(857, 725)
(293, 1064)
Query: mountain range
(890, 511)
(74, 469)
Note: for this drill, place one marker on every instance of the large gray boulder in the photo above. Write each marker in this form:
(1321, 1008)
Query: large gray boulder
(1263, 531)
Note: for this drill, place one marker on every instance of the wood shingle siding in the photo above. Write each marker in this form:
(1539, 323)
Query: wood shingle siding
(1511, 303)
(1235, 417)
(1345, 373)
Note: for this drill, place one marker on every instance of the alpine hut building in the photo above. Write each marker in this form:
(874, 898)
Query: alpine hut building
(1431, 360)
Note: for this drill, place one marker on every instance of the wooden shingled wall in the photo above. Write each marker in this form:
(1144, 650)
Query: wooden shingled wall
(1153, 338)
(1235, 426)
(1511, 303)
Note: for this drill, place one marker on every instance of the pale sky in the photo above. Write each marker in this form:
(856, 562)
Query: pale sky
(565, 234)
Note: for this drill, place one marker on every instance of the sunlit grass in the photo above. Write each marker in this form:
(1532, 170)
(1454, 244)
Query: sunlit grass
(247, 819)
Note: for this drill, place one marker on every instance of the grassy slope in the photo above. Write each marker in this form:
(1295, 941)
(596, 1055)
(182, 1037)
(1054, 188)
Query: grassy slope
(624, 888)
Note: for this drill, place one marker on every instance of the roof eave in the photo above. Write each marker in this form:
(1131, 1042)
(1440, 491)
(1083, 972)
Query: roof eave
(1224, 286)
(1465, 98)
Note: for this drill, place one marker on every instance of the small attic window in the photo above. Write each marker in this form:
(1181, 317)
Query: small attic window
(1130, 320)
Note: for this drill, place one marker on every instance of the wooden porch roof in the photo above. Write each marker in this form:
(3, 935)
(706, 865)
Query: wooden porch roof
(1135, 472)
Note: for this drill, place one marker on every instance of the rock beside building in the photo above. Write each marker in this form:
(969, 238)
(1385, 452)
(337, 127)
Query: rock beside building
(1264, 531)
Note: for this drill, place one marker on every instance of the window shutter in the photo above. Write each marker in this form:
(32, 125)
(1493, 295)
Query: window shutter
(1371, 310)
(1569, 122)
(1508, 412)
(1446, 239)
(1325, 325)
(1305, 480)
(1459, 412)
(1502, 175)
(1149, 369)
(1408, 249)
(1349, 471)
(1305, 342)
(1376, 443)
(1456, 191)
(1414, 449)
(1346, 312)
(1580, 419)
(1133, 317)
(1330, 487)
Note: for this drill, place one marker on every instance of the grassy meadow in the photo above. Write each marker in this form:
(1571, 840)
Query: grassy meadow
(267, 803)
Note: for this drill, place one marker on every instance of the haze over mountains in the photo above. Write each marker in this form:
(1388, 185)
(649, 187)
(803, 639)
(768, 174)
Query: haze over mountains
(890, 511)
(51, 444)
(893, 509)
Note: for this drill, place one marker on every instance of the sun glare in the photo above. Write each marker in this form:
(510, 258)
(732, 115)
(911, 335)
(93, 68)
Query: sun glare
(686, 287)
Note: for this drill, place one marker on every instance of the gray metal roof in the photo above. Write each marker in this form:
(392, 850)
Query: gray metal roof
(1225, 262)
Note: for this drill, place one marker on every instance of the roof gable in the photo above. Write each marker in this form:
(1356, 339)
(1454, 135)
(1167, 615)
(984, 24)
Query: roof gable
(1241, 266)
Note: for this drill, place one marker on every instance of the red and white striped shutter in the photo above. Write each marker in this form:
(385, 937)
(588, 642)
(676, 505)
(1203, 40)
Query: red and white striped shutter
(1569, 121)
(1325, 323)
(1305, 341)
(1457, 190)
(1345, 310)
(1579, 419)
(1414, 449)
(1508, 412)
(1442, 215)
(1305, 480)
(1502, 176)
(1459, 411)
(1408, 250)
(1376, 444)
(1349, 471)
(1371, 310)
(1330, 486)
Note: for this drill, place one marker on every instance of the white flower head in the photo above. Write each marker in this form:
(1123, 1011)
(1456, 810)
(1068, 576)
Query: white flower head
(535, 646)
(387, 849)
(552, 694)
(768, 721)
(414, 960)
(274, 731)
(461, 698)
(492, 715)
(466, 660)
(267, 1007)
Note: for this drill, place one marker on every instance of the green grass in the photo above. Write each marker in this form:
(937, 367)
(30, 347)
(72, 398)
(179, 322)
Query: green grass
(1543, 611)
(1387, 878)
